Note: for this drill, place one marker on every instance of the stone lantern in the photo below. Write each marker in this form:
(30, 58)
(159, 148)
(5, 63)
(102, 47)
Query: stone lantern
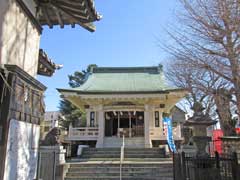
(199, 123)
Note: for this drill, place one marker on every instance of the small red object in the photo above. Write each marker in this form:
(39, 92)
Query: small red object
(217, 142)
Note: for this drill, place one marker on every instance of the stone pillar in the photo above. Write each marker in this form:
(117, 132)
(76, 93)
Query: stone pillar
(147, 117)
(130, 123)
(101, 126)
(88, 118)
(70, 131)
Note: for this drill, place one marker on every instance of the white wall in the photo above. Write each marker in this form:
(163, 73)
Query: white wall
(21, 157)
(19, 38)
(3, 9)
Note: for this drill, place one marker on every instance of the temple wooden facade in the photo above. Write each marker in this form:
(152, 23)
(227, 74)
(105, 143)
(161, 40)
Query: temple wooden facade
(130, 101)
(21, 95)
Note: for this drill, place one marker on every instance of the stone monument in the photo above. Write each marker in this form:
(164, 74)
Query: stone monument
(199, 123)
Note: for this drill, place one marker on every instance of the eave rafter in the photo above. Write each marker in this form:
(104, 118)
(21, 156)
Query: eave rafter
(68, 12)
(45, 14)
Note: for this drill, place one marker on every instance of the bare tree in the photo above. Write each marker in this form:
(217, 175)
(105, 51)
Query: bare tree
(200, 84)
(222, 99)
(208, 39)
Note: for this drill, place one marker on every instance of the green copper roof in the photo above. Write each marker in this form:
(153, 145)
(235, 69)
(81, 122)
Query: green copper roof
(117, 80)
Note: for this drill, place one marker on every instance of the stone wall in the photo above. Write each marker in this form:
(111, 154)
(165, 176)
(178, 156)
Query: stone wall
(19, 38)
(21, 155)
(231, 144)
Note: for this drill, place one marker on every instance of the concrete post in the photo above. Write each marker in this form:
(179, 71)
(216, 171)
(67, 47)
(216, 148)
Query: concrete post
(101, 126)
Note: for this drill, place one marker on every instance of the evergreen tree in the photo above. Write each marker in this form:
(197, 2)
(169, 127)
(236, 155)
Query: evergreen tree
(72, 114)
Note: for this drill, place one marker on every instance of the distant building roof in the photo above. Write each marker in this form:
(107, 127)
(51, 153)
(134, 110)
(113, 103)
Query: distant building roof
(124, 80)
(51, 115)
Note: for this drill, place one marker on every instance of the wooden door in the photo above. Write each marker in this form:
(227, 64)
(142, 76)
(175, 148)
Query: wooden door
(108, 127)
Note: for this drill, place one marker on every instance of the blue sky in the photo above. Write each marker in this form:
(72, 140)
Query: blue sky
(126, 36)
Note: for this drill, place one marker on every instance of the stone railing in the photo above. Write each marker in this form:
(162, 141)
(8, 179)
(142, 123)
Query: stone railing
(158, 133)
(83, 133)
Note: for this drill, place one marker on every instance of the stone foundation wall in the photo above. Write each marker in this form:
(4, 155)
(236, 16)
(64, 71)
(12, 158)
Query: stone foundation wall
(231, 144)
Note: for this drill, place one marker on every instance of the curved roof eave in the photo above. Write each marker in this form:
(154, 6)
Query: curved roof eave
(121, 92)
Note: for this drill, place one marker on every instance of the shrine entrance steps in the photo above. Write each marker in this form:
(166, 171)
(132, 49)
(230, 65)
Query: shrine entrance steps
(133, 142)
(104, 164)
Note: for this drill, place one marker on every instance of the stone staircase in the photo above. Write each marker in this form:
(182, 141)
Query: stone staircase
(103, 164)
(111, 171)
(134, 142)
(130, 154)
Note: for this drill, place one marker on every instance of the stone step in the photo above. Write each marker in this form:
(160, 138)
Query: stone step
(163, 164)
(129, 142)
(111, 174)
(125, 150)
(127, 172)
(125, 153)
(117, 178)
(125, 156)
(118, 149)
(103, 163)
(130, 174)
(117, 159)
(114, 168)
(102, 149)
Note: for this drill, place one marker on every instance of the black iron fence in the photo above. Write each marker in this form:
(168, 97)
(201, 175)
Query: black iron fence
(218, 167)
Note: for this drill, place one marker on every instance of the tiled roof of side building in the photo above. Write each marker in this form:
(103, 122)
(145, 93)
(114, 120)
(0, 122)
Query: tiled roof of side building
(124, 80)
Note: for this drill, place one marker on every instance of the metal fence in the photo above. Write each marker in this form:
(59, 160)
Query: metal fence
(218, 167)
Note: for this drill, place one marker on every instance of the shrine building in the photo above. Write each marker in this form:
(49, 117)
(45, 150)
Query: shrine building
(124, 100)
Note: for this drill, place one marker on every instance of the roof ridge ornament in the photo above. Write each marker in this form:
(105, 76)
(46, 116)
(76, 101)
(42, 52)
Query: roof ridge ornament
(142, 69)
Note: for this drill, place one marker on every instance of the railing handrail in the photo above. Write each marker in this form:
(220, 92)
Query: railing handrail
(122, 156)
